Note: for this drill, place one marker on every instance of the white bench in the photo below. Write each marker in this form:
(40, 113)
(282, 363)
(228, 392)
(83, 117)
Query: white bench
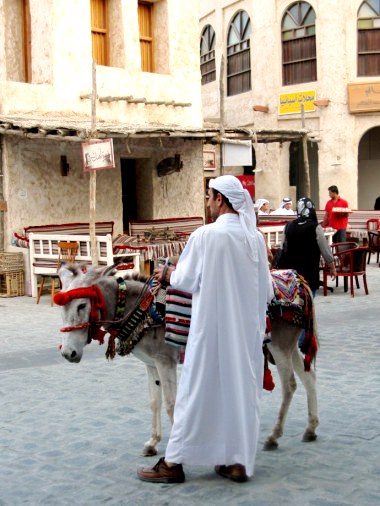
(272, 233)
(43, 253)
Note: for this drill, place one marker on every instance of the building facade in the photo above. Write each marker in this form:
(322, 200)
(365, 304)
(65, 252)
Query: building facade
(286, 65)
(148, 100)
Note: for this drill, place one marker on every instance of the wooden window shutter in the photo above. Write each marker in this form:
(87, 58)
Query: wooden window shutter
(99, 32)
(27, 41)
(145, 11)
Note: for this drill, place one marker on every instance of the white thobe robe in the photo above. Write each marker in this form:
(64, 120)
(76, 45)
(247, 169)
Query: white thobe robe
(281, 211)
(216, 415)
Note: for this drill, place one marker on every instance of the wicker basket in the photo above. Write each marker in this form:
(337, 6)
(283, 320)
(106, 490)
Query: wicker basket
(11, 262)
(12, 284)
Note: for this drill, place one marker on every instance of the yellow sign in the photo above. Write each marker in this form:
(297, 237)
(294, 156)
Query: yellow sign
(290, 103)
(364, 97)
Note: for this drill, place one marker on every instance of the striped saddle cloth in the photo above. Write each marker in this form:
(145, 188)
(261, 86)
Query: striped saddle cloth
(177, 317)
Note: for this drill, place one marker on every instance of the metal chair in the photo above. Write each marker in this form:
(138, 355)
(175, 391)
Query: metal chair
(349, 264)
(67, 252)
(373, 245)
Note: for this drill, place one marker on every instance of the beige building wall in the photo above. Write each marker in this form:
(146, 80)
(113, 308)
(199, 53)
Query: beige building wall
(61, 56)
(338, 130)
(62, 59)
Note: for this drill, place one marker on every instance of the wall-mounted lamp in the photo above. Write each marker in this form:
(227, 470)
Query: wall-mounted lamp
(65, 167)
(261, 108)
(322, 102)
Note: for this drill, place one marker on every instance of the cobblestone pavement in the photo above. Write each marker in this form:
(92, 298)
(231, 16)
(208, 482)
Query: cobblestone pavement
(72, 434)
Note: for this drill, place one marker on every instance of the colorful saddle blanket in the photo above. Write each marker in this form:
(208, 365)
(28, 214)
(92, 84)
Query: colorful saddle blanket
(177, 317)
(288, 287)
(293, 303)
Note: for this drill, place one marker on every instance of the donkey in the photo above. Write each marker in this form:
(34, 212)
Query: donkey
(80, 300)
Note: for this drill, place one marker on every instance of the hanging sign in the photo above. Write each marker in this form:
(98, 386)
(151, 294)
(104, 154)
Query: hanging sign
(98, 154)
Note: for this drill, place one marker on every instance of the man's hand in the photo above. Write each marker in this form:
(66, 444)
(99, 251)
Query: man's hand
(162, 273)
(332, 271)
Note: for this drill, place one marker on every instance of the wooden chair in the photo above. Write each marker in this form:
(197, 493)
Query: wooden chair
(336, 247)
(373, 224)
(67, 252)
(349, 264)
(373, 245)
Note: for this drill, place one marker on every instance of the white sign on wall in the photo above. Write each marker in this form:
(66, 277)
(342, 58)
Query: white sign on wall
(237, 154)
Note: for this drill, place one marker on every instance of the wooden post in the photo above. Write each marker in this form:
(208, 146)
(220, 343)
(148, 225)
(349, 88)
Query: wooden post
(92, 189)
(305, 156)
(302, 116)
(221, 109)
(306, 167)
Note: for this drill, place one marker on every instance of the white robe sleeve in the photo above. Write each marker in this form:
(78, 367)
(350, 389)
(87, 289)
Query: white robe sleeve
(187, 276)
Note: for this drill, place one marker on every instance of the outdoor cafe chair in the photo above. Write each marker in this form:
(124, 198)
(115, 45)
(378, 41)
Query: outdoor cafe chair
(373, 245)
(349, 264)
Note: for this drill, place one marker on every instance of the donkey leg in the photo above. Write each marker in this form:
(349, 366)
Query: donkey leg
(168, 375)
(288, 387)
(309, 381)
(155, 397)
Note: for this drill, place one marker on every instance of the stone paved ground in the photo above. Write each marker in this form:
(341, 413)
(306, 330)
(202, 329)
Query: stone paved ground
(72, 434)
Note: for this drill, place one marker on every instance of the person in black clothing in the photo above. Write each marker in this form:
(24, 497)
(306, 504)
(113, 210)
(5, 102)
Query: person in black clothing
(303, 244)
(377, 204)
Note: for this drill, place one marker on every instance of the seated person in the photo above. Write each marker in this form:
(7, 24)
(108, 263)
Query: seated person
(262, 206)
(285, 208)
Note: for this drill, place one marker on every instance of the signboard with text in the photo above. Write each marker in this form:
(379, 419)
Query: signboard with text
(364, 97)
(98, 154)
(290, 103)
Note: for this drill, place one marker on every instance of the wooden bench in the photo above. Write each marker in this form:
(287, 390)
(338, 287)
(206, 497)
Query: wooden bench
(272, 234)
(180, 226)
(275, 220)
(43, 253)
(77, 228)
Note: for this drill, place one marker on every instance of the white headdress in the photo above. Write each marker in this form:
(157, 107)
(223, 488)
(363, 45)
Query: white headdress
(286, 200)
(241, 201)
(259, 203)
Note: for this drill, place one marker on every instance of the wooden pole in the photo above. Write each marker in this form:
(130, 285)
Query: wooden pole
(305, 156)
(306, 167)
(221, 109)
(92, 189)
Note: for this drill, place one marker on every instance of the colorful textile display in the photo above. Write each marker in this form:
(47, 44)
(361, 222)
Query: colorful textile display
(177, 317)
(293, 303)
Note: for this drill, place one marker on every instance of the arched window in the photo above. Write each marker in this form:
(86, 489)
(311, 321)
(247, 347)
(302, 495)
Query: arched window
(239, 54)
(299, 56)
(369, 38)
(208, 55)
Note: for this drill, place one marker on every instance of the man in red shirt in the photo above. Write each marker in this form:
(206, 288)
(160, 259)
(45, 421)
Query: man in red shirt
(334, 219)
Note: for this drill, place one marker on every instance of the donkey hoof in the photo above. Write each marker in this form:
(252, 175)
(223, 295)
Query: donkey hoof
(270, 445)
(309, 437)
(149, 451)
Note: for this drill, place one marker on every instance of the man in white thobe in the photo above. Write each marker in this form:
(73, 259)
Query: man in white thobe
(216, 416)
(285, 208)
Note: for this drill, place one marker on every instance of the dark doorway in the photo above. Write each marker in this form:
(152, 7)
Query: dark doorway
(297, 171)
(128, 183)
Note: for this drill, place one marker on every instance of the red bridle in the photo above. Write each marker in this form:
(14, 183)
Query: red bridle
(97, 312)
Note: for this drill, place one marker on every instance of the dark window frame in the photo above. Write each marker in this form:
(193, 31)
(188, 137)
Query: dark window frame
(299, 53)
(207, 54)
(368, 41)
(239, 54)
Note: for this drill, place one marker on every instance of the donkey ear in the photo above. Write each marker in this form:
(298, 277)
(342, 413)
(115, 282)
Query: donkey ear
(68, 274)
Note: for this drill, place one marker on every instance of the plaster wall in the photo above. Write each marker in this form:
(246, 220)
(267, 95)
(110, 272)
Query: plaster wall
(37, 193)
(338, 130)
(62, 61)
